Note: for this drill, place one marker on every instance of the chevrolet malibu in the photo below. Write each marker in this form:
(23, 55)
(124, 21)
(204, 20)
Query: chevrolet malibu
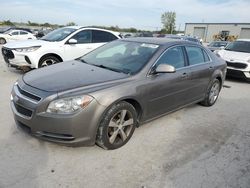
(103, 96)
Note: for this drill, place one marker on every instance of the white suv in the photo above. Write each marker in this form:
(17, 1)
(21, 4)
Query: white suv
(237, 57)
(63, 44)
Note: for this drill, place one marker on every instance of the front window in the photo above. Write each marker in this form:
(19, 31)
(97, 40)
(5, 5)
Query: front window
(239, 46)
(58, 34)
(83, 37)
(121, 56)
(173, 56)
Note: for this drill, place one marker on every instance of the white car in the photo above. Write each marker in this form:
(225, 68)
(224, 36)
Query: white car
(237, 57)
(15, 35)
(63, 44)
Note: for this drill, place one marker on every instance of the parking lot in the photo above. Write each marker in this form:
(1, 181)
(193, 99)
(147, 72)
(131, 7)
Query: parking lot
(194, 147)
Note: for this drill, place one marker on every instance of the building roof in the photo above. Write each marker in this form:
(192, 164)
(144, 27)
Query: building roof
(220, 23)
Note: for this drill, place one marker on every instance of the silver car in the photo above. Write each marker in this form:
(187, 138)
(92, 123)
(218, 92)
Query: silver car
(103, 96)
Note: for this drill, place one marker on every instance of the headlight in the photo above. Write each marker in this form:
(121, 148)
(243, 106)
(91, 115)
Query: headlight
(69, 105)
(29, 49)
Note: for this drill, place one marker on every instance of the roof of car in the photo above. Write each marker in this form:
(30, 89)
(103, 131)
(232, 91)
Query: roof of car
(155, 40)
(97, 28)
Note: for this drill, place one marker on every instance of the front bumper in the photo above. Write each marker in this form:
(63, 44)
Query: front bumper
(74, 129)
(238, 74)
(16, 59)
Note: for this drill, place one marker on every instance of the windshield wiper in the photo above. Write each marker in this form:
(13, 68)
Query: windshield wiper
(82, 60)
(110, 68)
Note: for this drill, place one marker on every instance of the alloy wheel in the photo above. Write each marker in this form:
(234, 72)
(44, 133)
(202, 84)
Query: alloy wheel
(214, 92)
(120, 127)
(48, 62)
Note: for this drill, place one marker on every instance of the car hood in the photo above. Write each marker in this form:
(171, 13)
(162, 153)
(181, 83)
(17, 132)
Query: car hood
(25, 43)
(234, 56)
(69, 75)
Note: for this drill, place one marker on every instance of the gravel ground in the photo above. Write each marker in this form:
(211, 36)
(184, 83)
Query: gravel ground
(194, 147)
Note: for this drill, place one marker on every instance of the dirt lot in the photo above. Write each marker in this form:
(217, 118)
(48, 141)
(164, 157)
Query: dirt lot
(194, 147)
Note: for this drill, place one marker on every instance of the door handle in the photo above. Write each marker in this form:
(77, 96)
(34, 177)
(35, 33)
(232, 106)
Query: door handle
(184, 75)
(211, 68)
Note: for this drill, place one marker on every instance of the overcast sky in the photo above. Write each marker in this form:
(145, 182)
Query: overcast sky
(142, 14)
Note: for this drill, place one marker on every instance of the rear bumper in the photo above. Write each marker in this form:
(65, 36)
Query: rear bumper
(73, 130)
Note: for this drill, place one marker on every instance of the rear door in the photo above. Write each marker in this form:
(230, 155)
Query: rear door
(23, 35)
(99, 38)
(168, 91)
(201, 68)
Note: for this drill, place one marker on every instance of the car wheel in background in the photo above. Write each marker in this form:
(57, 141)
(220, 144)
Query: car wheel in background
(212, 93)
(48, 60)
(117, 126)
(2, 41)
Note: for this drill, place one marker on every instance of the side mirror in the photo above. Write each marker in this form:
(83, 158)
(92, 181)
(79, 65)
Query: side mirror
(164, 68)
(72, 41)
(10, 34)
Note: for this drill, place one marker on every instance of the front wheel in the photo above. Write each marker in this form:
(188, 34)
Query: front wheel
(48, 60)
(2, 41)
(212, 93)
(117, 126)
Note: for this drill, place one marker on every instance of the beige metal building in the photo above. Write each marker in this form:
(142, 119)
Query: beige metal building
(206, 31)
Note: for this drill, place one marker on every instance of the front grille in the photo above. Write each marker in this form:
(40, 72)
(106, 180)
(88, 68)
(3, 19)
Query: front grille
(235, 73)
(23, 111)
(29, 95)
(7, 53)
(236, 65)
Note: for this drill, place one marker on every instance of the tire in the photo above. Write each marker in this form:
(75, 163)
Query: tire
(212, 93)
(113, 134)
(47, 61)
(2, 41)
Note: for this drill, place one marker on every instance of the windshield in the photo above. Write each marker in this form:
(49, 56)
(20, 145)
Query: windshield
(239, 46)
(58, 34)
(217, 44)
(121, 56)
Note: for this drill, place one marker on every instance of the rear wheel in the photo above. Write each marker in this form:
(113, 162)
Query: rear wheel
(2, 41)
(48, 60)
(117, 126)
(212, 93)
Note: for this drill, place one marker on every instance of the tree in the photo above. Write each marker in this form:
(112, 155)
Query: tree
(168, 21)
(71, 24)
(7, 22)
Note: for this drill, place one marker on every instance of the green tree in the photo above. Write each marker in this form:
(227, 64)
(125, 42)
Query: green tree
(168, 21)
(7, 22)
(71, 24)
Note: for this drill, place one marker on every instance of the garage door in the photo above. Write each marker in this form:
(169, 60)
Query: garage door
(245, 33)
(199, 32)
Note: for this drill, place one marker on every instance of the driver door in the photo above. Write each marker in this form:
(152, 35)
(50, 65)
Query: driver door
(168, 91)
(83, 45)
